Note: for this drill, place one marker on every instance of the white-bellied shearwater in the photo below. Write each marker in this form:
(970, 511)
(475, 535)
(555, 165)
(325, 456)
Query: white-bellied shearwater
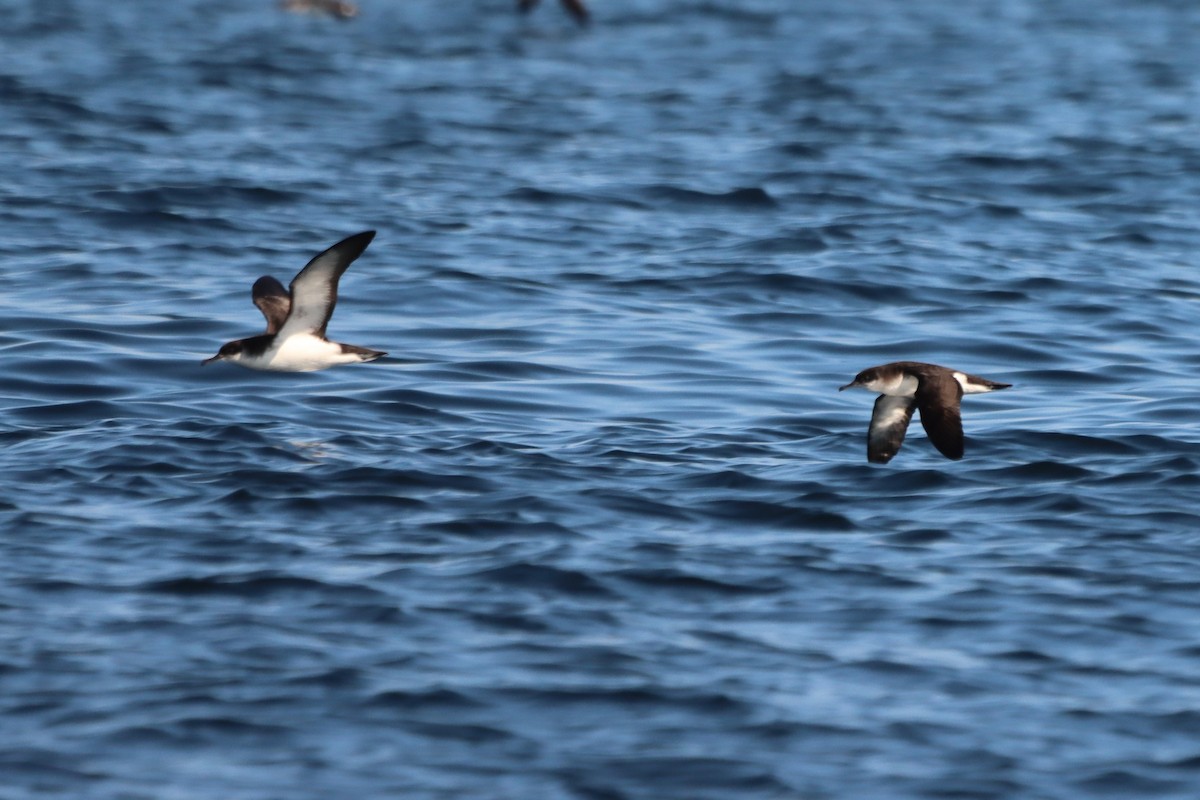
(907, 385)
(575, 7)
(295, 337)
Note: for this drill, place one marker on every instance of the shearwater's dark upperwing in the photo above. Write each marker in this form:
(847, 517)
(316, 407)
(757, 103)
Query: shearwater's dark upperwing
(938, 398)
(272, 300)
(314, 289)
(889, 423)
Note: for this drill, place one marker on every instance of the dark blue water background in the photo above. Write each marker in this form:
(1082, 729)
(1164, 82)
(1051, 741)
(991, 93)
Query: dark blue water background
(602, 527)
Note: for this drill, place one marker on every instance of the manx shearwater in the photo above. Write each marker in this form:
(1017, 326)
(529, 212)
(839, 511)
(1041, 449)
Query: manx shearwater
(905, 386)
(295, 337)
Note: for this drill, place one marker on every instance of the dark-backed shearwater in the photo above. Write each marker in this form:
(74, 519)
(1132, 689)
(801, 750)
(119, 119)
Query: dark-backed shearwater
(907, 385)
(295, 337)
(574, 7)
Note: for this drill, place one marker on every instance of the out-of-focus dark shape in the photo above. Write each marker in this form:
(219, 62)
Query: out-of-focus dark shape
(334, 8)
(574, 7)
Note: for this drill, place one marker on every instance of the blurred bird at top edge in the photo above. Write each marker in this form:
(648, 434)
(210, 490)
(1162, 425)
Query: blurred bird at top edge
(574, 7)
(341, 9)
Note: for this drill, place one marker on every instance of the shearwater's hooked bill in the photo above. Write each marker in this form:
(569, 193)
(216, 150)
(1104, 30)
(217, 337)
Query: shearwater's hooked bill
(295, 337)
(905, 386)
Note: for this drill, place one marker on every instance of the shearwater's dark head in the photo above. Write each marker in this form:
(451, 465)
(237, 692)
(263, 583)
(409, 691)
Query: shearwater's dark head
(230, 351)
(867, 379)
(240, 350)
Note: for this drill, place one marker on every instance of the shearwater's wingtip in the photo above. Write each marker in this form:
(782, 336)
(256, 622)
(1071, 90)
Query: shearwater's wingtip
(363, 237)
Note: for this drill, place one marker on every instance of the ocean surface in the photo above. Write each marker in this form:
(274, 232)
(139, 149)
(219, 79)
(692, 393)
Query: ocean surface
(601, 527)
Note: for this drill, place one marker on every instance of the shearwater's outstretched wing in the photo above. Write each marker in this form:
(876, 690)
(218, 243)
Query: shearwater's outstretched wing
(272, 300)
(938, 398)
(889, 423)
(314, 289)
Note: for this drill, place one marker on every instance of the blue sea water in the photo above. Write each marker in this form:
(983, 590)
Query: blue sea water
(601, 527)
